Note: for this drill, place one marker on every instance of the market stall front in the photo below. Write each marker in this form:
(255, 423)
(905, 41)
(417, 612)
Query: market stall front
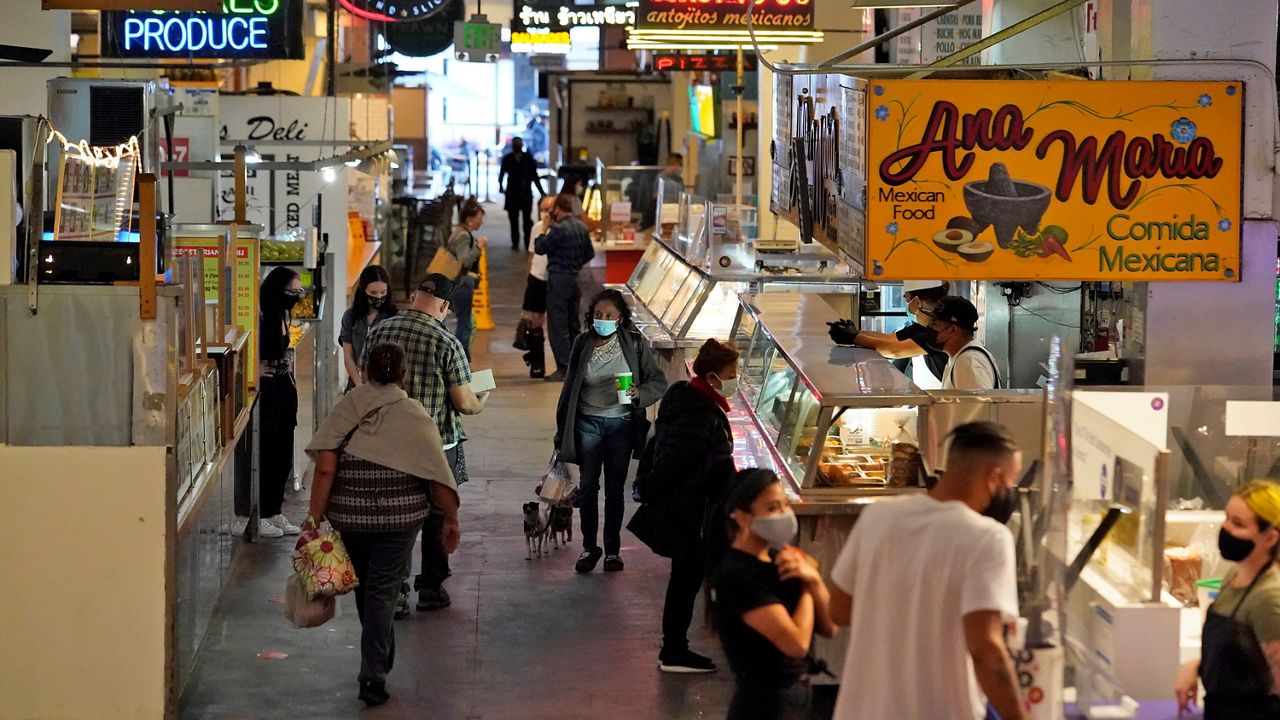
(1013, 190)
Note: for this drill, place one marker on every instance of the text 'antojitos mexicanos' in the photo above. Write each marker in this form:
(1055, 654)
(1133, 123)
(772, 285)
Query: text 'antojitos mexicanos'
(1061, 180)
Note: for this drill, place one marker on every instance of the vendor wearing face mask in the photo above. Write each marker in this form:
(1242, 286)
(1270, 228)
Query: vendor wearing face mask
(1240, 647)
(914, 340)
(768, 600)
(970, 365)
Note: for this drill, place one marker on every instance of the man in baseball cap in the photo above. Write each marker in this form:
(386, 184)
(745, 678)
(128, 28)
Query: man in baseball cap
(914, 340)
(971, 366)
(438, 375)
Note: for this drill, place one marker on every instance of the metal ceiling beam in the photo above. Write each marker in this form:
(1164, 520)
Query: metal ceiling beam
(363, 153)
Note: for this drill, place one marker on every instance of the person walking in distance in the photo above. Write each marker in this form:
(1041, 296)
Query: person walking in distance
(927, 584)
(600, 420)
(516, 175)
(568, 248)
(380, 468)
(439, 377)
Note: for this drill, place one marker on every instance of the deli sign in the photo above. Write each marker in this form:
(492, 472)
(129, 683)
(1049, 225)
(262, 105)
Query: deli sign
(769, 15)
(1070, 180)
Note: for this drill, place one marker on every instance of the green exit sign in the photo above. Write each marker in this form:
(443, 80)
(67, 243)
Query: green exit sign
(477, 40)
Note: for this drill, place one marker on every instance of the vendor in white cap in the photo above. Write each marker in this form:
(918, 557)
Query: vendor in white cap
(914, 340)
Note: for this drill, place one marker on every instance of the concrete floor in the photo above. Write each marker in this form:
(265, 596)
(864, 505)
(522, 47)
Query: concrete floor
(522, 640)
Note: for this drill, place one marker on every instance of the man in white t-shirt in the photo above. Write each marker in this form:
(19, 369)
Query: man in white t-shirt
(927, 584)
(954, 321)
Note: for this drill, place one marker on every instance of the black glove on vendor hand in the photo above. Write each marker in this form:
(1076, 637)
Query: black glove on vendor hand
(842, 332)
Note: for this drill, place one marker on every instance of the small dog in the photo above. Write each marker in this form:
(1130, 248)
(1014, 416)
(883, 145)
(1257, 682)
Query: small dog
(561, 524)
(535, 528)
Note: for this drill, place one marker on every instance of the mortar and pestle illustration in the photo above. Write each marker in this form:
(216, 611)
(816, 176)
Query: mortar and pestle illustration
(1006, 204)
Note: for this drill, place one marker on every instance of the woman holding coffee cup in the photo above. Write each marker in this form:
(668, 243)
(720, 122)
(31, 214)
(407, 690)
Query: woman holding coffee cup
(600, 419)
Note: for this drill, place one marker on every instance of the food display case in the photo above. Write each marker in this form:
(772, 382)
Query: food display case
(843, 426)
(679, 300)
(628, 213)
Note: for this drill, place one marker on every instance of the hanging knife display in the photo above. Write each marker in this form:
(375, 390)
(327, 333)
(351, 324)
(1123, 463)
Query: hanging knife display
(818, 159)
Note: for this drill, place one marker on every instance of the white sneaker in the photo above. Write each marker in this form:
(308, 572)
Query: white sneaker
(282, 523)
(267, 530)
(237, 526)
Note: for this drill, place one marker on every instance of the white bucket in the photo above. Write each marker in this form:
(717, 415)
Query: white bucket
(1040, 680)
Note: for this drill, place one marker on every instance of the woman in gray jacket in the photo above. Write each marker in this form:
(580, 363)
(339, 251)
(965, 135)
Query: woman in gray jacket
(466, 245)
(595, 429)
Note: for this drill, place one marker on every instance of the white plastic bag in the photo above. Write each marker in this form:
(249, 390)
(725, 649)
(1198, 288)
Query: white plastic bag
(556, 482)
(305, 613)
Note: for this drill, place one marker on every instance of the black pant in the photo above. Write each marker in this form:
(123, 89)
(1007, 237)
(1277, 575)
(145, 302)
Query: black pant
(604, 448)
(381, 560)
(277, 415)
(682, 593)
(767, 701)
(563, 297)
(513, 214)
(435, 561)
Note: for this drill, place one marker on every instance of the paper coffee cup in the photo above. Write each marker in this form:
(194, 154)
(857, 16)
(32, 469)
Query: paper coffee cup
(622, 381)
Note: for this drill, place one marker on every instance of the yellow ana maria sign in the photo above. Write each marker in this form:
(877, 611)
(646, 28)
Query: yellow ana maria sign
(1067, 180)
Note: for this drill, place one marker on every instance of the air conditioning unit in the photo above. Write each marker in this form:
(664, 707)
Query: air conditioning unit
(104, 112)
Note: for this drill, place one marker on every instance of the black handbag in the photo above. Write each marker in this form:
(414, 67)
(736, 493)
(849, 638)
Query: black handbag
(647, 525)
(522, 331)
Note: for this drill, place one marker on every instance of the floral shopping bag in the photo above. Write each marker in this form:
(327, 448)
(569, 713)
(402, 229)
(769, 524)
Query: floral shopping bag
(324, 568)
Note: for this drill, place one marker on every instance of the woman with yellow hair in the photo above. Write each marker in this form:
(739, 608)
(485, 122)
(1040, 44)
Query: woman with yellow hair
(1240, 648)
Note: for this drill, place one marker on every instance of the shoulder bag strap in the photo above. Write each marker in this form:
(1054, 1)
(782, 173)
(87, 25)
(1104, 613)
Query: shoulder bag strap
(990, 359)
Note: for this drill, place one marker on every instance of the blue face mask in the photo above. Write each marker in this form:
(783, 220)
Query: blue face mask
(604, 328)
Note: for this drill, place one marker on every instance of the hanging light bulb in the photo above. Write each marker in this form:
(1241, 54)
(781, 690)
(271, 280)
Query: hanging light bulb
(328, 174)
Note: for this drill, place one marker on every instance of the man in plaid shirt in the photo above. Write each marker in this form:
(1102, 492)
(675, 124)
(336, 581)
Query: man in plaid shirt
(439, 377)
(568, 248)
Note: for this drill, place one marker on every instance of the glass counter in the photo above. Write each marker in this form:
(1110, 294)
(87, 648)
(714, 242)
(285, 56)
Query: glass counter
(678, 303)
(845, 418)
(629, 197)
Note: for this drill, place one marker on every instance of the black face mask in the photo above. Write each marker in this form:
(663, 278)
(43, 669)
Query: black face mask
(291, 300)
(1233, 548)
(1001, 506)
(375, 302)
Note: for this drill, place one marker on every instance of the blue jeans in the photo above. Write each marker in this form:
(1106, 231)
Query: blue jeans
(603, 444)
(463, 292)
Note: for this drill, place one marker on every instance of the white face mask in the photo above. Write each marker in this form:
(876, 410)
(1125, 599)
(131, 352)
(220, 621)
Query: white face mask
(728, 388)
(777, 530)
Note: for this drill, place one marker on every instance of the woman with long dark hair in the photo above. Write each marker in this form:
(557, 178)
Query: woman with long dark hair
(371, 305)
(769, 599)
(685, 469)
(600, 419)
(277, 398)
